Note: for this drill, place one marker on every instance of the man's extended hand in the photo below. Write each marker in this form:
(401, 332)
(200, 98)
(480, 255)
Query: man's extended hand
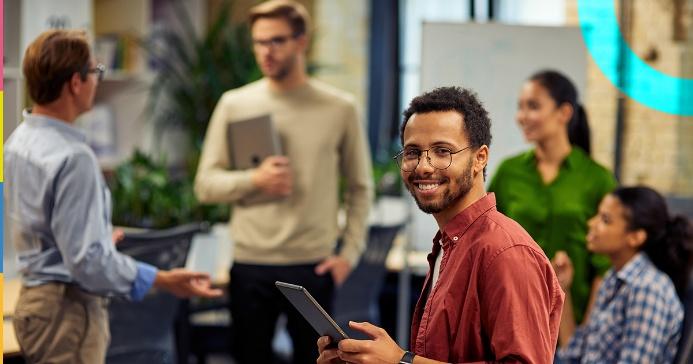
(117, 235)
(184, 283)
(274, 176)
(381, 349)
(338, 266)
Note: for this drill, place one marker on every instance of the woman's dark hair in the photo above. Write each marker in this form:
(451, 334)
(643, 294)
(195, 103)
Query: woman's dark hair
(563, 91)
(669, 239)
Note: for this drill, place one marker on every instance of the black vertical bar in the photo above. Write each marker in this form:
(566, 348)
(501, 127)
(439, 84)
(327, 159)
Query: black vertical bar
(472, 10)
(491, 10)
(384, 84)
(621, 109)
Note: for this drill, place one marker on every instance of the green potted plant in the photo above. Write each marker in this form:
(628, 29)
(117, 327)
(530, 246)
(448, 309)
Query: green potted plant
(146, 194)
(191, 74)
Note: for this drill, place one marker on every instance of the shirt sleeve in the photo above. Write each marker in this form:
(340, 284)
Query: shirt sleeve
(355, 166)
(648, 319)
(214, 182)
(82, 232)
(143, 281)
(521, 304)
(572, 353)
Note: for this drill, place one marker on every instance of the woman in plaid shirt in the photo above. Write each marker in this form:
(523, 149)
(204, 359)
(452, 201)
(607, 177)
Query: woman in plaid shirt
(637, 317)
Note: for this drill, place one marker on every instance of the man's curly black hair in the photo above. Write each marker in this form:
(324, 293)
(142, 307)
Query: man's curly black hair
(476, 121)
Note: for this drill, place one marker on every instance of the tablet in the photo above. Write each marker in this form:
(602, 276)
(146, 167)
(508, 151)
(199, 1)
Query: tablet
(250, 141)
(312, 311)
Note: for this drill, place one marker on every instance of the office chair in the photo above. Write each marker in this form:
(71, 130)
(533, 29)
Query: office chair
(357, 298)
(143, 332)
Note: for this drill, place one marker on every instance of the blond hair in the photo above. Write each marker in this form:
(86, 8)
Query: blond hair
(294, 13)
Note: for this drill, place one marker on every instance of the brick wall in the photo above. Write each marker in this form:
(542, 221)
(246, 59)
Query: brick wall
(340, 47)
(658, 147)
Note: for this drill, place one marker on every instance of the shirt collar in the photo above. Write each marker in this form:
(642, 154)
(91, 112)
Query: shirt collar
(571, 161)
(459, 224)
(60, 125)
(633, 268)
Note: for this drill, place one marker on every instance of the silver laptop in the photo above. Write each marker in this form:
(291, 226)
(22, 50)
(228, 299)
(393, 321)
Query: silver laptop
(250, 142)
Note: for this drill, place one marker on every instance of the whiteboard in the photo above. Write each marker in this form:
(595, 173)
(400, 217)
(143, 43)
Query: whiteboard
(494, 60)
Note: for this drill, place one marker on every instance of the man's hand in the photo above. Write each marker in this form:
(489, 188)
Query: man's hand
(117, 235)
(327, 356)
(380, 350)
(338, 266)
(184, 283)
(274, 176)
(563, 267)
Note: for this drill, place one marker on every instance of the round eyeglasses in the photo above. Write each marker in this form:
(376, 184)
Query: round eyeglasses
(438, 157)
(100, 69)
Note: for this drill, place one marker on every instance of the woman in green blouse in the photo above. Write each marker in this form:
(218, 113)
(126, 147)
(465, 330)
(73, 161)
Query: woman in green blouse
(554, 188)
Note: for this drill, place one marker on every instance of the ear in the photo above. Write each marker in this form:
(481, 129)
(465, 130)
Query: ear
(74, 85)
(303, 41)
(566, 112)
(637, 238)
(480, 159)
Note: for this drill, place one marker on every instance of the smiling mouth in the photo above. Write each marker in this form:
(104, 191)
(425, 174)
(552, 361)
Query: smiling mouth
(427, 186)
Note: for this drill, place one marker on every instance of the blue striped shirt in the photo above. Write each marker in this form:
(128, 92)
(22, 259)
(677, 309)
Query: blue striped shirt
(637, 318)
(58, 212)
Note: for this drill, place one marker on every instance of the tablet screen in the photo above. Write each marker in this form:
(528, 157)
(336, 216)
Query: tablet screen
(311, 310)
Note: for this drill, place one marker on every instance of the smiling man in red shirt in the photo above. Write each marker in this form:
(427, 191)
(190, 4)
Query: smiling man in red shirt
(491, 294)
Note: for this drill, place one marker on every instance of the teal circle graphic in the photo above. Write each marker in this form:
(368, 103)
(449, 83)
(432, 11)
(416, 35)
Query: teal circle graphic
(648, 86)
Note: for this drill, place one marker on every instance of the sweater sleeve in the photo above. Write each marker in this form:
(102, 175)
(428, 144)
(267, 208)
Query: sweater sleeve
(214, 182)
(355, 167)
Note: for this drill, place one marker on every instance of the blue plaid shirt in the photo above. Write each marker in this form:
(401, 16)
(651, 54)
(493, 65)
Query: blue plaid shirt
(637, 319)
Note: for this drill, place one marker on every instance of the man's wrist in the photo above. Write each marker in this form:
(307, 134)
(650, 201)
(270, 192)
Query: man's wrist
(407, 358)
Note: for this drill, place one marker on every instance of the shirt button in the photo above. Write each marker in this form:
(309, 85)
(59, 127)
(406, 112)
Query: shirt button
(454, 238)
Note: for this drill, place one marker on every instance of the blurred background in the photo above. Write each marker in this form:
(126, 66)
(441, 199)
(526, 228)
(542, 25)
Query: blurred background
(169, 61)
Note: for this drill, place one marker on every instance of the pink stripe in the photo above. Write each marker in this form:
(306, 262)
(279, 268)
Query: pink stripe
(2, 47)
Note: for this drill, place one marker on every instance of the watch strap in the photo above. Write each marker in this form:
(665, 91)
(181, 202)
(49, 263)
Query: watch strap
(407, 358)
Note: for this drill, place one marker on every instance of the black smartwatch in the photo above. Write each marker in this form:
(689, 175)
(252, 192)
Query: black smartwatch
(407, 358)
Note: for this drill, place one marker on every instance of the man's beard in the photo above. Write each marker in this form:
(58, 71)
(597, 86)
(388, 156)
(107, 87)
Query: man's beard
(285, 69)
(464, 183)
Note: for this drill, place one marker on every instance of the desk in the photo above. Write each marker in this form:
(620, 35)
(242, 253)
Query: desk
(11, 288)
(416, 259)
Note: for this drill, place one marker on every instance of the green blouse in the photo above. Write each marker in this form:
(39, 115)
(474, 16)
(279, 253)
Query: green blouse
(556, 214)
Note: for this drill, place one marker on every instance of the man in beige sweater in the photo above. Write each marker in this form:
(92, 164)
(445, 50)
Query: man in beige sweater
(292, 237)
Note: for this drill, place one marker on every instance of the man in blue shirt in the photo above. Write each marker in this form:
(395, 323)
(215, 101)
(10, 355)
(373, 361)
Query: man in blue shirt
(58, 211)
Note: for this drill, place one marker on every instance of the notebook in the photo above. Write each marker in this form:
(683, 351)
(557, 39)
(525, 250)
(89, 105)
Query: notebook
(250, 142)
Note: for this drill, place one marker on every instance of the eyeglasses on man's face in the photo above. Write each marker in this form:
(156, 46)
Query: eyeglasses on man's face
(437, 157)
(99, 69)
(274, 42)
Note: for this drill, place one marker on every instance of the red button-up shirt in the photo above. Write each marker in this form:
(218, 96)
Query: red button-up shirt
(497, 297)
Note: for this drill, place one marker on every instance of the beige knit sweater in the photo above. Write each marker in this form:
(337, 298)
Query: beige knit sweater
(320, 133)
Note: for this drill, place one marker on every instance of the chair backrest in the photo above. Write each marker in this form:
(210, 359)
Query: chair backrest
(357, 298)
(684, 354)
(142, 332)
